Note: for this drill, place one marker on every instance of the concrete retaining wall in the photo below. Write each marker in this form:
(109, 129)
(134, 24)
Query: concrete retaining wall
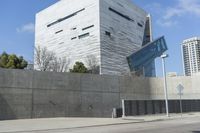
(31, 94)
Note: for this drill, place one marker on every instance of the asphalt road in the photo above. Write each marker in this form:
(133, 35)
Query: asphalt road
(186, 125)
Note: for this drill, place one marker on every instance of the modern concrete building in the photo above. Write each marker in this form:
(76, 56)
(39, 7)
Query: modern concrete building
(191, 56)
(109, 30)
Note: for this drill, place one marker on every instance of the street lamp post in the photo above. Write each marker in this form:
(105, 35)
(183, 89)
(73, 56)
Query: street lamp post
(165, 83)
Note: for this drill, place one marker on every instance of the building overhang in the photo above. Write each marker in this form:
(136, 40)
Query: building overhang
(147, 54)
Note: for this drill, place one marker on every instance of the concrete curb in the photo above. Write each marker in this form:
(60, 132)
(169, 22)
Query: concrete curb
(167, 118)
(103, 125)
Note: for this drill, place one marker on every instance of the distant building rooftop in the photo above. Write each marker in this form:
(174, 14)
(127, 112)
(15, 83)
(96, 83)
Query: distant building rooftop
(191, 39)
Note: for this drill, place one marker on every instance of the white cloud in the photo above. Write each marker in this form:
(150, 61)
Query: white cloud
(167, 23)
(183, 7)
(172, 12)
(154, 7)
(27, 28)
(169, 15)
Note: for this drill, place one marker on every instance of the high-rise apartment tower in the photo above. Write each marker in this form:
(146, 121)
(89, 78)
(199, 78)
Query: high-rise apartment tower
(191, 56)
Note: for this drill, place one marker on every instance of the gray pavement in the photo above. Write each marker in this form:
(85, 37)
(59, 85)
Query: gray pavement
(189, 123)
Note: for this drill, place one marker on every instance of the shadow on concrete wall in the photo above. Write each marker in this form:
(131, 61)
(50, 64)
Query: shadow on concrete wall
(6, 112)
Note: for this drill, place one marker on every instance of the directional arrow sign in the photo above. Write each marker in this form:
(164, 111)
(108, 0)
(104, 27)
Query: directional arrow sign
(180, 89)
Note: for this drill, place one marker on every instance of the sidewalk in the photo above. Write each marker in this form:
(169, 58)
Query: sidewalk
(26, 125)
(160, 117)
(57, 123)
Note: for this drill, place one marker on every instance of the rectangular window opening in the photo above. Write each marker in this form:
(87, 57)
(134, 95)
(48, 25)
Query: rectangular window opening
(67, 17)
(58, 31)
(83, 35)
(140, 25)
(73, 38)
(88, 27)
(108, 33)
(120, 14)
(74, 28)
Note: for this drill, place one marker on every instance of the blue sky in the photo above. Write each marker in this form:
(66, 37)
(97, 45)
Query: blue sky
(176, 19)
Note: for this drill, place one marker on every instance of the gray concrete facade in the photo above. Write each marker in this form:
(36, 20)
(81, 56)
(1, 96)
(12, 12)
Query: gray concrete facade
(108, 30)
(32, 94)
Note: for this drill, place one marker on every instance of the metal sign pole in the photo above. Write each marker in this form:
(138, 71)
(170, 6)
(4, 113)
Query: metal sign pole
(180, 89)
(181, 106)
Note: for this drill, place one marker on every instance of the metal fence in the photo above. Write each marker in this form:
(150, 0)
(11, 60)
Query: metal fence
(145, 107)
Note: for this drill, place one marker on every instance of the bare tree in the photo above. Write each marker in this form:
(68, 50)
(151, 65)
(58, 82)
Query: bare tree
(92, 63)
(60, 65)
(43, 58)
(47, 61)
